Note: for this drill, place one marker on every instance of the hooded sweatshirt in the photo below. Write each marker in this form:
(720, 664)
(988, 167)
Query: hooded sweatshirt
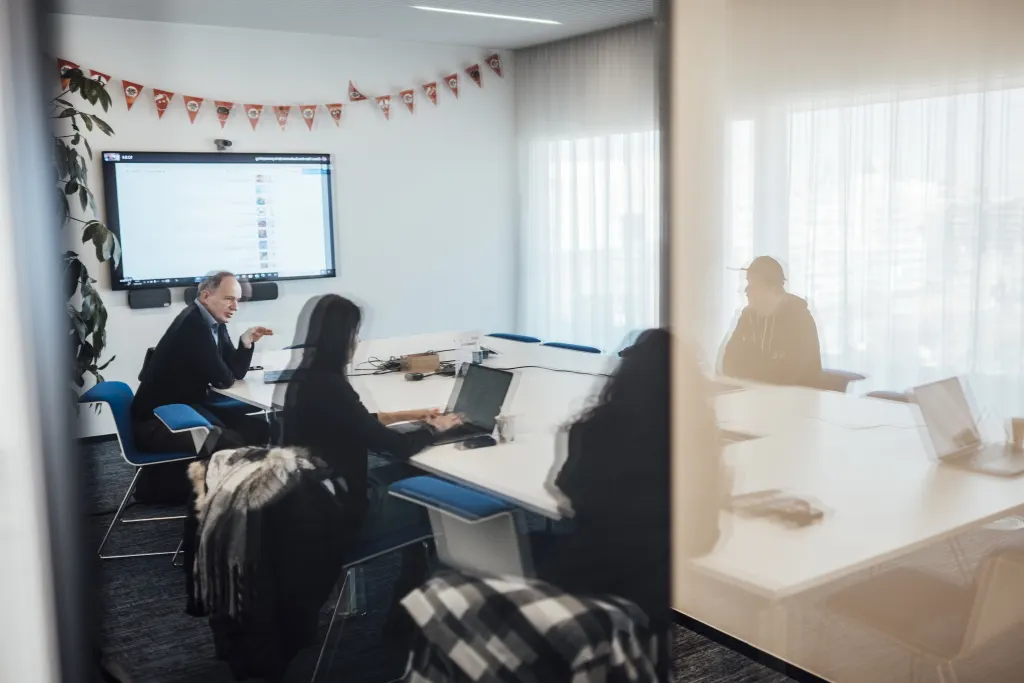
(780, 348)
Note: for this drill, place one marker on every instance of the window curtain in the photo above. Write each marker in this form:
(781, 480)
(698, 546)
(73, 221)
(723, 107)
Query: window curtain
(878, 152)
(589, 248)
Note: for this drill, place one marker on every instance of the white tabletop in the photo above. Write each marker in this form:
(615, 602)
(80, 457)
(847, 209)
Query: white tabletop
(547, 394)
(866, 461)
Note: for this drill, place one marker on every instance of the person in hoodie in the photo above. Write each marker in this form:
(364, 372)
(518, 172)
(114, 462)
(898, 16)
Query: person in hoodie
(775, 340)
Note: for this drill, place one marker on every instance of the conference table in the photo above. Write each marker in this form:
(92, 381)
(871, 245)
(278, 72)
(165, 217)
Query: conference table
(866, 462)
(552, 386)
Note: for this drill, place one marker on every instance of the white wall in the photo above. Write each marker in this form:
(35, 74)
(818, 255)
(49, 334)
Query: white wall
(424, 203)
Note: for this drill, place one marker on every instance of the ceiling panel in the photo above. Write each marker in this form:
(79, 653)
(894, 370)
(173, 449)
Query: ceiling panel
(386, 19)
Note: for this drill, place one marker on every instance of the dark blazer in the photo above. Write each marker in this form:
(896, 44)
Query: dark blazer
(324, 415)
(186, 362)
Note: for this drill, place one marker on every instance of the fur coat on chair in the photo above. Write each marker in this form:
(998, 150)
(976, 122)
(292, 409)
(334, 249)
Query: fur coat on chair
(268, 551)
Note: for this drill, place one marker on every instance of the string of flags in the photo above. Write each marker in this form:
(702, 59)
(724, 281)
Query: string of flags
(162, 98)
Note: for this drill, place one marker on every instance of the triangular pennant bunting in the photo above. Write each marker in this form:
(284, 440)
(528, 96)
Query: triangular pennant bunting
(252, 112)
(161, 98)
(224, 111)
(384, 102)
(453, 83)
(353, 94)
(308, 114)
(474, 73)
(408, 96)
(335, 111)
(281, 114)
(131, 91)
(431, 90)
(192, 105)
(494, 61)
(100, 78)
(64, 66)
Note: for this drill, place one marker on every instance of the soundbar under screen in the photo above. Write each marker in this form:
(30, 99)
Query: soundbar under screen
(180, 216)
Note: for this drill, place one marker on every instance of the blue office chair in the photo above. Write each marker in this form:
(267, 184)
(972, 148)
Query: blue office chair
(526, 339)
(572, 347)
(178, 418)
(433, 493)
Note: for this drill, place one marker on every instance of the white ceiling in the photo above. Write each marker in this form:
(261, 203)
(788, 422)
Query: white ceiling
(387, 19)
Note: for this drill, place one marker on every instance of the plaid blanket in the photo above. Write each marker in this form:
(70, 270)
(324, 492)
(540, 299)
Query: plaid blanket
(483, 629)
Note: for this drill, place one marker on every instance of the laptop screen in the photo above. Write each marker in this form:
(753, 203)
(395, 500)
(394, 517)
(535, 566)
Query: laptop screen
(948, 416)
(481, 394)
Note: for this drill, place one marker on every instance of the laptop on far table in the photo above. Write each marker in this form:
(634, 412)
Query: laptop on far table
(478, 397)
(954, 432)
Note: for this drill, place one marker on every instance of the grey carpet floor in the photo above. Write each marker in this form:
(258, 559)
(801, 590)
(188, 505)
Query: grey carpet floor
(143, 624)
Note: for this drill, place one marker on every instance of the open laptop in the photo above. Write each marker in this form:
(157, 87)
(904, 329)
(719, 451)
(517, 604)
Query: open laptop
(478, 397)
(954, 431)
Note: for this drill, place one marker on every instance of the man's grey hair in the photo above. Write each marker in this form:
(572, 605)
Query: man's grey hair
(212, 282)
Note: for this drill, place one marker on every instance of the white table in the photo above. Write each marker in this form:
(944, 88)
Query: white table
(869, 464)
(542, 400)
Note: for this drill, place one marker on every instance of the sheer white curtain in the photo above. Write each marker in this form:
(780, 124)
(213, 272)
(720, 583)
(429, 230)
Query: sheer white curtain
(589, 248)
(886, 172)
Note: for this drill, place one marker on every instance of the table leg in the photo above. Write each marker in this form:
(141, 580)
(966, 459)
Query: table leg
(493, 546)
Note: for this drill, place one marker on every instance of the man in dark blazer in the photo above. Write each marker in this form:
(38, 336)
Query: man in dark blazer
(195, 353)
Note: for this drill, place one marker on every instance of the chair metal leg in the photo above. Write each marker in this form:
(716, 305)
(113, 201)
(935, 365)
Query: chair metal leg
(330, 627)
(117, 518)
(177, 551)
(354, 598)
(120, 510)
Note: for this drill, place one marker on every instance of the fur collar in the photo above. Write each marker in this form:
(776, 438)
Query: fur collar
(255, 476)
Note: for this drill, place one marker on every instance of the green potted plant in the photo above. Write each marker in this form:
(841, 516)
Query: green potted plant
(87, 316)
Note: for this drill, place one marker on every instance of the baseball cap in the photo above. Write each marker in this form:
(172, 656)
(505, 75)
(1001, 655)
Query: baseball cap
(766, 269)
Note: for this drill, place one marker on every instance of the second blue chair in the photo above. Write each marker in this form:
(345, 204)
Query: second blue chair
(572, 347)
(525, 339)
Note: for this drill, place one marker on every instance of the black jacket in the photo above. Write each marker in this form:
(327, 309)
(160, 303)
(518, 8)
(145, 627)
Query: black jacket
(324, 415)
(186, 362)
(781, 348)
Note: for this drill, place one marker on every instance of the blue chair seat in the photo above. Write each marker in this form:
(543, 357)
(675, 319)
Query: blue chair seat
(222, 402)
(179, 417)
(526, 339)
(572, 347)
(462, 502)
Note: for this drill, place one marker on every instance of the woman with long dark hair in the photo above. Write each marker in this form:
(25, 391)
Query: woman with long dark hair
(324, 414)
(617, 478)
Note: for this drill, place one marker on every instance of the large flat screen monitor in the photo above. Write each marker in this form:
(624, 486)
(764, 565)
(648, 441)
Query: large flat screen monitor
(180, 216)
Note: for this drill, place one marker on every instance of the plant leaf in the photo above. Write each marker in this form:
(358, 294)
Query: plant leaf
(102, 125)
(64, 102)
(71, 186)
(109, 361)
(83, 196)
(87, 120)
(62, 206)
(68, 113)
(60, 158)
(72, 274)
(88, 148)
(104, 97)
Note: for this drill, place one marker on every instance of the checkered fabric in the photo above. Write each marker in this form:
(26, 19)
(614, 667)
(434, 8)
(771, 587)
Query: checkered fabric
(484, 629)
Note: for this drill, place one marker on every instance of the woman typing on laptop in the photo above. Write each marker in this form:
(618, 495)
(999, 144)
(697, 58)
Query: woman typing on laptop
(324, 414)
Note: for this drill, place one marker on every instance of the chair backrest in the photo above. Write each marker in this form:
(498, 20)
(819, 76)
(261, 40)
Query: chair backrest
(526, 339)
(145, 362)
(572, 347)
(118, 396)
(999, 600)
(897, 396)
(836, 380)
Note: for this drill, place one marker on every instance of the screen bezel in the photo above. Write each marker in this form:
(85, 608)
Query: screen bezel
(113, 219)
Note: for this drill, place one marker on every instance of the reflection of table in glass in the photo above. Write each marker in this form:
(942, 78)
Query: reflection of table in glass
(868, 462)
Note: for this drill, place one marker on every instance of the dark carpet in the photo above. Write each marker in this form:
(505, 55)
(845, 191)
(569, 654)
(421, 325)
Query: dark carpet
(144, 627)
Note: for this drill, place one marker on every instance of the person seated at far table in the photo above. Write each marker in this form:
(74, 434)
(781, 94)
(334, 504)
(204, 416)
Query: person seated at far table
(324, 415)
(195, 353)
(617, 479)
(775, 340)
